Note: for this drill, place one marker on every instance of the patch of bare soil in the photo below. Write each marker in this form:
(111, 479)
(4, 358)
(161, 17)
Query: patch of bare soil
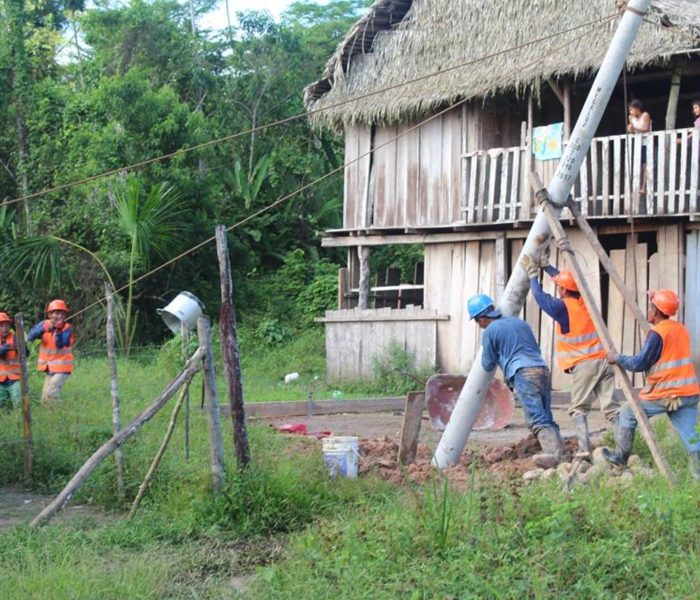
(509, 461)
(19, 506)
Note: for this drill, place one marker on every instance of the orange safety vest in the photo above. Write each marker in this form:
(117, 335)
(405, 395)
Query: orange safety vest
(674, 373)
(52, 358)
(9, 366)
(582, 342)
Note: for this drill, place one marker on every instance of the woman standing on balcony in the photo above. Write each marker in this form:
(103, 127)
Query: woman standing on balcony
(639, 121)
(695, 107)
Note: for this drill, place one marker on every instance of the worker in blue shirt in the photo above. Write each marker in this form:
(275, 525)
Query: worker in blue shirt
(509, 343)
(579, 349)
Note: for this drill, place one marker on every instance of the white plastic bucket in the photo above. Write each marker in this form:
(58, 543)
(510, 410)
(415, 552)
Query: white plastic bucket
(340, 455)
(184, 309)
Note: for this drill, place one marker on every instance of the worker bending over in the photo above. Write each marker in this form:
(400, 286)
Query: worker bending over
(10, 371)
(579, 350)
(672, 385)
(508, 342)
(55, 350)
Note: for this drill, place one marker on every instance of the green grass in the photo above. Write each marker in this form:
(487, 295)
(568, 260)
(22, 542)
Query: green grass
(533, 542)
(304, 535)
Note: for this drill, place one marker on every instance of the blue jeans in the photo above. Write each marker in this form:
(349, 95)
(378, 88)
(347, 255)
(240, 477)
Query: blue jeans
(533, 389)
(684, 419)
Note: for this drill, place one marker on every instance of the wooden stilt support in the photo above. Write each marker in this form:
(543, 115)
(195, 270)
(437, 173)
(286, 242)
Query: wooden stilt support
(192, 366)
(114, 389)
(216, 445)
(26, 407)
(602, 330)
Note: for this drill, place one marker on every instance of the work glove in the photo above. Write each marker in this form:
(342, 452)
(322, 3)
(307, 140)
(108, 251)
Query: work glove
(564, 245)
(530, 266)
(4, 349)
(544, 256)
(673, 403)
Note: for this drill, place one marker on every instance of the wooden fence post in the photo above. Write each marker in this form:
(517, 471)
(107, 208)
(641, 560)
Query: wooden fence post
(231, 352)
(185, 333)
(26, 407)
(216, 451)
(114, 389)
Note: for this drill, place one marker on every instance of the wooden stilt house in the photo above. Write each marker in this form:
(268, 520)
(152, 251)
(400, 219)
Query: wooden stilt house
(443, 161)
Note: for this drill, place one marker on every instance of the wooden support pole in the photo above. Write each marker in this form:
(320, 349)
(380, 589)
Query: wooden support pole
(602, 330)
(184, 392)
(192, 366)
(673, 95)
(363, 255)
(628, 294)
(567, 110)
(185, 334)
(114, 389)
(231, 352)
(26, 407)
(410, 430)
(216, 446)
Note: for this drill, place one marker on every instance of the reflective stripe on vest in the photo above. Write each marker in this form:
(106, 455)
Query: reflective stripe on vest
(582, 342)
(52, 358)
(674, 372)
(9, 366)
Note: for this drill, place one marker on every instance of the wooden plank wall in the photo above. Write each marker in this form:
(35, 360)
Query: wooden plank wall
(692, 292)
(355, 338)
(357, 161)
(453, 273)
(416, 174)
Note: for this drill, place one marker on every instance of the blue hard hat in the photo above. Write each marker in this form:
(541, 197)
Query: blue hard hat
(481, 305)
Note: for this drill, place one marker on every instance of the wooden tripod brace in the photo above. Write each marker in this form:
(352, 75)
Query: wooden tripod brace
(600, 326)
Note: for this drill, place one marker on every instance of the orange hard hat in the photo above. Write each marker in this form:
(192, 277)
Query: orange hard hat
(566, 280)
(57, 305)
(5, 318)
(665, 300)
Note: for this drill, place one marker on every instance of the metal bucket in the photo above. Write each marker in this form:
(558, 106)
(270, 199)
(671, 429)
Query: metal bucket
(184, 309)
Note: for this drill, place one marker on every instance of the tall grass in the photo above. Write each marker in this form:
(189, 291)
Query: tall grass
(534, 542)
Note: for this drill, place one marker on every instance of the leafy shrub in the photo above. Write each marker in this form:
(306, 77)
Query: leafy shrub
(397, 371)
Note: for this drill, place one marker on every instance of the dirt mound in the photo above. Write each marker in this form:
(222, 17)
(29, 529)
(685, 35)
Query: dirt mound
(380, 456)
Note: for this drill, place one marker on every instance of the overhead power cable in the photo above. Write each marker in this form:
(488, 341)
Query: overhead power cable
(228, 138)
(333, 171)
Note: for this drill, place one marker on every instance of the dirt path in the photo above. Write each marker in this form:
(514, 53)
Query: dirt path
(379, 425)
(19, 506)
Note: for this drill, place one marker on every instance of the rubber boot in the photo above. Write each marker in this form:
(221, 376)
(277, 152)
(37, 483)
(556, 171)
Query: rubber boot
(550, 440)
(694, 464)
(581, 425)
(621, 454)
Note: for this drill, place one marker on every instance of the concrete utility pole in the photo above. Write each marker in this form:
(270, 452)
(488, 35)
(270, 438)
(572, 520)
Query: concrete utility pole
(511, 302)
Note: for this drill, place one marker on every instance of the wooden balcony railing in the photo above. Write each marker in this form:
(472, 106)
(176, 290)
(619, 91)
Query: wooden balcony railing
(496, 188)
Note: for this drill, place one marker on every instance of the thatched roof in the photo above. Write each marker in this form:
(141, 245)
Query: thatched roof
(401, 40)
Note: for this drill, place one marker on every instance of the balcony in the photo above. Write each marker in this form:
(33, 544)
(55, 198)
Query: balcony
(496, 187)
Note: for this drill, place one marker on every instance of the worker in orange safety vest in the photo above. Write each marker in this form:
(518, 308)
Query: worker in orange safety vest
(55, 350)
(579, 350)
(672, 384)
(10, 371)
